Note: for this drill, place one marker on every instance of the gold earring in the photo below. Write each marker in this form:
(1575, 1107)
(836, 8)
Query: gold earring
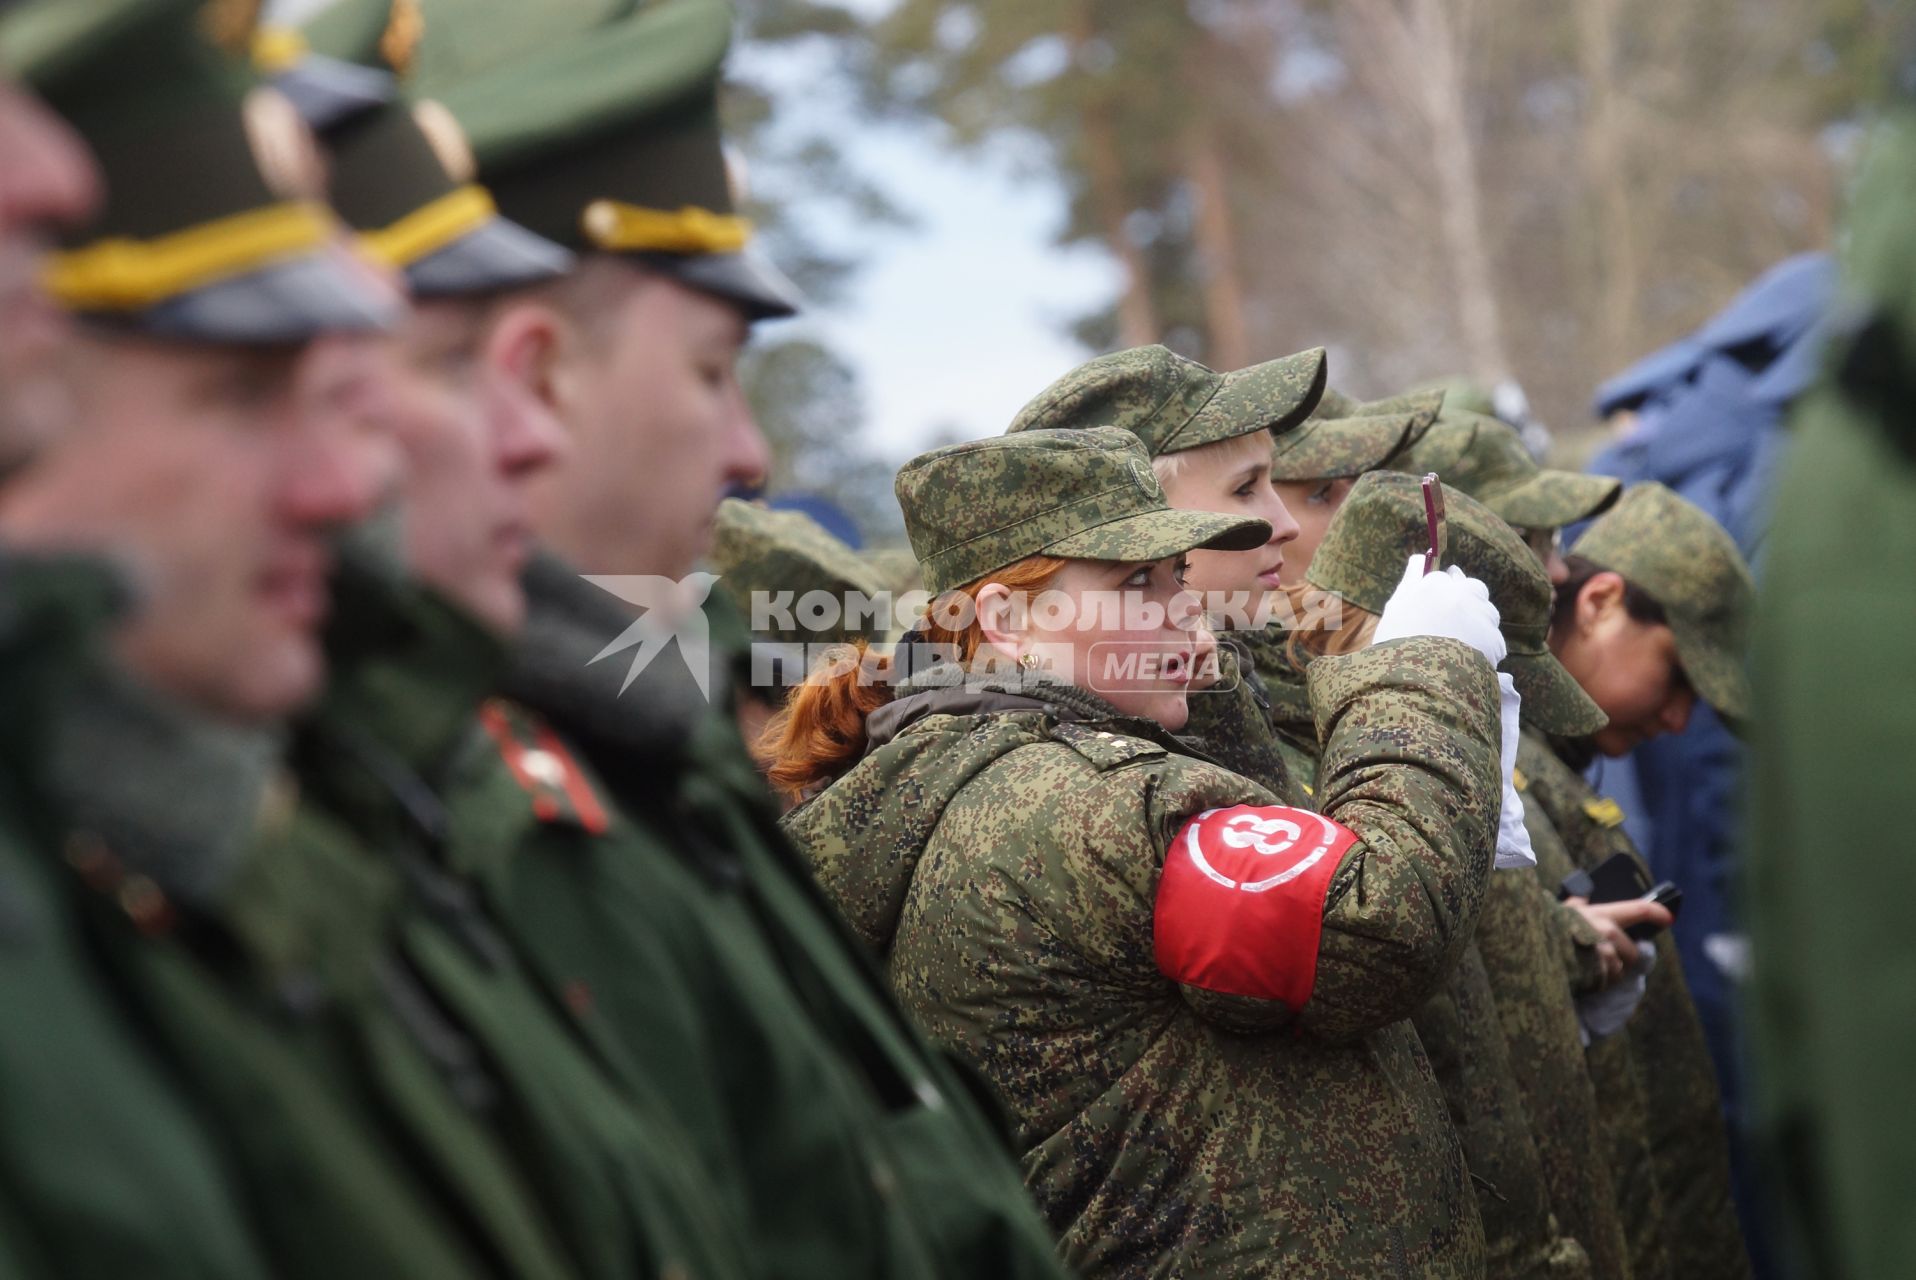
(1029, 661)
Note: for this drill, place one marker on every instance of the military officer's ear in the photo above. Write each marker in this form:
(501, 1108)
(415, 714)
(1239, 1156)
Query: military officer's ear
(525, 347)
(1599, 600)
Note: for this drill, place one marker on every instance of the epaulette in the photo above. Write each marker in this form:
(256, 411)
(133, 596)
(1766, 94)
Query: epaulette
(1604, 811)
(560, 789)
(1103, 748)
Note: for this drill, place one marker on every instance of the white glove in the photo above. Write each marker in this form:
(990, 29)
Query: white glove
(1513, 838)
(1603, 1013)
(1446, 604)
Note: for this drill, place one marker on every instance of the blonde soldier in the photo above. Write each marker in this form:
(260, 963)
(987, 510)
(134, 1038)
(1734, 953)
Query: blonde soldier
(1190, 994)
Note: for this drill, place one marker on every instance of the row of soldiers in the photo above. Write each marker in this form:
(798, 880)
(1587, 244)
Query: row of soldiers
(1235, 957)
(355, 924)
(366, 918)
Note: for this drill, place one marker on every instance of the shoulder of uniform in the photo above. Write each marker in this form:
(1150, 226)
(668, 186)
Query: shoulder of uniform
(1104, 748)
(562, 792)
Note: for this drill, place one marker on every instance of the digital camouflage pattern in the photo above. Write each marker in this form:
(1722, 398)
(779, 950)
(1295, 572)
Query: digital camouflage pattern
(1168, 1130)
(1173, 404)
(1382, 522)
(1672, 549)
(1334, 448)
(1081, 494)
(1494, 468)
(1543, 1042)
(1672, 1171)
(1287, 693)
(756, 549)
(1464, 1039)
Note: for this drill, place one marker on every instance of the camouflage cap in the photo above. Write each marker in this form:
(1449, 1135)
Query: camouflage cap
(1382, 523)
(1671, 548)
(1081, 495)
(1360, 437)
(1485, 458)
(1173, 404)
(757, 549)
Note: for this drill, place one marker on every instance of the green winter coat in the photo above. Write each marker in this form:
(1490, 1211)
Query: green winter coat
(1005, 853)
(106, 1167)
(859, 1151)
(1655, 1086)
(625, 1185)
(265, 976)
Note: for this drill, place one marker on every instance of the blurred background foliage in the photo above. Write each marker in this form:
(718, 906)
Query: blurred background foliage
(1495, 188)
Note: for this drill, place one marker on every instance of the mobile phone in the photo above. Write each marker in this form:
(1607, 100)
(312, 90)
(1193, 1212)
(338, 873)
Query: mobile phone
(1433, 522)
(1667, 895)
(1618, 878)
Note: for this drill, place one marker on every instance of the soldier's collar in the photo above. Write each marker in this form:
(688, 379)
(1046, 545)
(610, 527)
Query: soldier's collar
(171, 797)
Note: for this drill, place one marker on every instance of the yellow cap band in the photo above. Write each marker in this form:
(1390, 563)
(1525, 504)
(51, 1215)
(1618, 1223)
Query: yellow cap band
(429, 228)
(276, 49)
(628, 228)
(128, 275)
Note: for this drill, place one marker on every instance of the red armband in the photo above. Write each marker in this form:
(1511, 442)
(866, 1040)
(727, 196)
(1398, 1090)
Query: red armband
(1240, 904)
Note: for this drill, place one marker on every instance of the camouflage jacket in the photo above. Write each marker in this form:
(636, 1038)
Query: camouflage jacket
(1284, 685)
(1545, 1050)
(860, 1151)
(1007, 853)
(1670, 1145)
(1272, 740)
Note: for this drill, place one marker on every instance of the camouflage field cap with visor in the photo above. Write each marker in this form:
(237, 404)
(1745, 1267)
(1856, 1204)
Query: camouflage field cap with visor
(215, 226)
(1379, 527)
(757, 549)
(1173, 404)
(1352, 440)
(402, 170)
(596, 125)
(1485, 458)
(1077, 494)
(1670, 548)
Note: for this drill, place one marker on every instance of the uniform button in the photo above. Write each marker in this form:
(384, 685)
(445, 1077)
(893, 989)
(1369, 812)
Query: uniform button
(143, 902)
(884, 1181)
(542, 766)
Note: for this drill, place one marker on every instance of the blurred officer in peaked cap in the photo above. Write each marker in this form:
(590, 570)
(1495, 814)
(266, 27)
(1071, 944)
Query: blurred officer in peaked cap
(51, 183)
(602, 134)
(218, 439)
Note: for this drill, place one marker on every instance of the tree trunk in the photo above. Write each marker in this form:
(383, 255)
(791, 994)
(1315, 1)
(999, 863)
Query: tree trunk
(1453, 155)
(1228, 344)
(1104, 175)
(1616, 253)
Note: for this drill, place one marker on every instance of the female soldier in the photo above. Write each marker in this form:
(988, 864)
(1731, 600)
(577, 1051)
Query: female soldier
(1522, 933)
(1460, 1026)
(1190, 995)
(1652, 617)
